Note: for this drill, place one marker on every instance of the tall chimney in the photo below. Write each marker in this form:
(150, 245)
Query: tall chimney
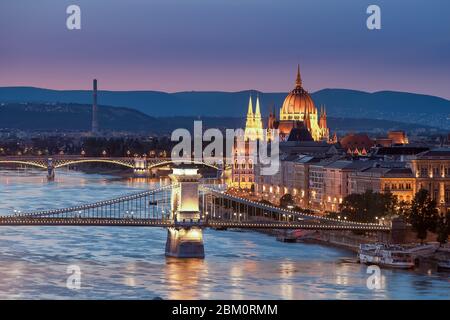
(94, 108)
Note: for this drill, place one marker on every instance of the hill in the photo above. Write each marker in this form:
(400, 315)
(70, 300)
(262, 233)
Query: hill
(387, 105)
(77, 117)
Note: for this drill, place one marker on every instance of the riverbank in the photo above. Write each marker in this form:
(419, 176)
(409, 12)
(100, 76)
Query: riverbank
(349, 241)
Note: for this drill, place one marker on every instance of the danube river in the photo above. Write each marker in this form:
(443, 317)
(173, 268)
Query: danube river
(129, 263)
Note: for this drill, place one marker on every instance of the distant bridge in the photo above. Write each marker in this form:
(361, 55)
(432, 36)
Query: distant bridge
(139, 165)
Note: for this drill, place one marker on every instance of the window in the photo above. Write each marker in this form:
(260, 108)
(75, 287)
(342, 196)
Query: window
(423, 171)
(436, 172)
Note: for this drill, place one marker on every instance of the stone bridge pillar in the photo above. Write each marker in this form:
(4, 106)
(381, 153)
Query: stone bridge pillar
(140, 167)
(50, 169)
(398, 232)
(185, 240)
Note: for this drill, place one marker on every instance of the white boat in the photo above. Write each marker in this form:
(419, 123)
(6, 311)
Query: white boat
(391, 256)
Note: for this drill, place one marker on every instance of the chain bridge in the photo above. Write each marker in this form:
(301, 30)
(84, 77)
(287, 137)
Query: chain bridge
(185, 207)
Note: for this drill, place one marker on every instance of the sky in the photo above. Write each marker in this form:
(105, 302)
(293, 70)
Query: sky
(227, 45)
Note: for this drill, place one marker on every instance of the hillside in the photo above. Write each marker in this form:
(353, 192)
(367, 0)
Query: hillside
(77, 117)
(387, 105)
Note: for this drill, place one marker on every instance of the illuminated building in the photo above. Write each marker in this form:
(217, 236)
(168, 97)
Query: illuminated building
(335, 181)
(300, 126)
(243, 171)
(357, 144)
(392, 177)
(431, 170)
(398, 137)
(298, 108)
(253, 124)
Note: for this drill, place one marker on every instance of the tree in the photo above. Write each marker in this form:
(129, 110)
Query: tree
(367, 206)
(443, 228)
(286, 200)
(424, 214)
(403, 209)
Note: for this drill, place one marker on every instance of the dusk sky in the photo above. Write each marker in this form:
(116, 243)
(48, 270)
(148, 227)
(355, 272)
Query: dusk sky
(227, 45)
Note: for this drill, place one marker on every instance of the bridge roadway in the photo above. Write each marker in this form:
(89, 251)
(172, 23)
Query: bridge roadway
(58, 161)
(218, 224)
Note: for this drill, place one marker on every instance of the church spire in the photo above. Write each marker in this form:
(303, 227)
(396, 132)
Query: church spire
(298, 81)
(250, 107)
(257, 110)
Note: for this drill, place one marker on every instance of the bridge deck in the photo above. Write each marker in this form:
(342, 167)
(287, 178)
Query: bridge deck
(120, 222)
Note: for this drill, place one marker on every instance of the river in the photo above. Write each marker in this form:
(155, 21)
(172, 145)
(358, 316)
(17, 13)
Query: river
(129, 263)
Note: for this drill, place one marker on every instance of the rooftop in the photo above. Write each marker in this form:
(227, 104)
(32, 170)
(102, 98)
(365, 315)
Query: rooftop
(441, 153)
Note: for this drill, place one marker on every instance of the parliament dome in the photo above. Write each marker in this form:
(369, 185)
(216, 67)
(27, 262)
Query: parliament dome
(297, 102)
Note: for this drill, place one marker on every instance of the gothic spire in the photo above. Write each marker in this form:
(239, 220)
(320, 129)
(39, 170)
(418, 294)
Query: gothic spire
(298, 81)
(250, 107)
(257, 110)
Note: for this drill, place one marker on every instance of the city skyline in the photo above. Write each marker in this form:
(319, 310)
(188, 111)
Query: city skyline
(134, 47)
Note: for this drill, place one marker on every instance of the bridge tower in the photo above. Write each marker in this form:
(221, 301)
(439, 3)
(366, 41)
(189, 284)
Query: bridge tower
(50, 170)
(185, 239)
(140, 167)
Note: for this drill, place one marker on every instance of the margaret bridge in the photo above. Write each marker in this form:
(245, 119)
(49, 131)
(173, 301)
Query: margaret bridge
(140, 166)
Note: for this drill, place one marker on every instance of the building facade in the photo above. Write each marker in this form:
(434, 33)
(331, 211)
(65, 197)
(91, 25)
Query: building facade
(431, 170)
(298, 107)
(298, 111)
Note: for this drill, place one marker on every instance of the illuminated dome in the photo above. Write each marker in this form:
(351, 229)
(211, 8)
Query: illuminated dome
(298, 102)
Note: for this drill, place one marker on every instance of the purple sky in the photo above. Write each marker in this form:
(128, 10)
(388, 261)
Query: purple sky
(227, 45)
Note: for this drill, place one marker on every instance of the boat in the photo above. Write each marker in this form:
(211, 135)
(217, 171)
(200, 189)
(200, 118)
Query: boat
(392, 256)
(297, 235)
(444, 264)
(421, 250)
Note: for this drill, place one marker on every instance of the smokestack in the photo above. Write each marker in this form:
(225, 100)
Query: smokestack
(94, 108)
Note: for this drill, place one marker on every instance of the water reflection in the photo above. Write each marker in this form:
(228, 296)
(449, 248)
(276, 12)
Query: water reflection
(184, 276)
(124, 263)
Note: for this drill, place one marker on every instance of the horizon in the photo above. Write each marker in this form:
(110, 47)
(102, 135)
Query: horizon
(219, 91)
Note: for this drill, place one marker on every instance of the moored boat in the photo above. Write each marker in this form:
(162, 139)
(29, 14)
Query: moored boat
(444, 264)
(391, 256)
